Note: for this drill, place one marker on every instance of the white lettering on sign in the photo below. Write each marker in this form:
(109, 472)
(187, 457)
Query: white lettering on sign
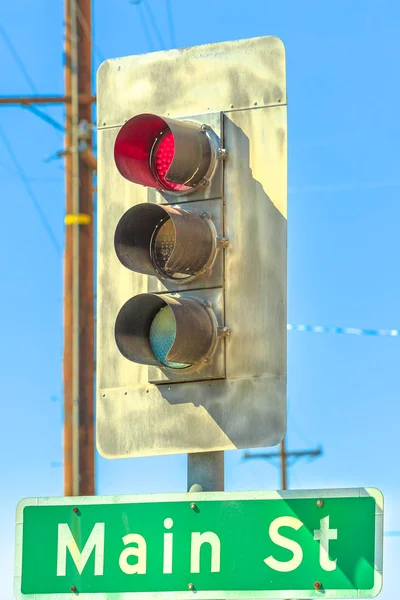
(198, 539)
(324, 535)
(140, 551)
(138, 548)
(168, 540)
(284, 542)
(66, 540)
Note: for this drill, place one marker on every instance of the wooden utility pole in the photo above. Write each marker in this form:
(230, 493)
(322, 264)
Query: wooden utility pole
(78, 262)
(283, 455)
(78, 363)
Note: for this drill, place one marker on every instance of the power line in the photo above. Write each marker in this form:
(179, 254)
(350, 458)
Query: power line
(31, 193)
(17, 58)
(344, 330)
(36, 111)
(13, 173)
(45, 117)
(145, 26)
(343, 187)
(154, 24)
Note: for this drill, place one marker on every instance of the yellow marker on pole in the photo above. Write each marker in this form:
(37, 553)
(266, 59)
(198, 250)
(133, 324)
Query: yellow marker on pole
(77, 219)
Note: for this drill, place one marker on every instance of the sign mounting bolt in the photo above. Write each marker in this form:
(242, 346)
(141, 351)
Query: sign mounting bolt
(318, 585)
(320, 503)
(74, 589)
(190, 586)
(193, 506)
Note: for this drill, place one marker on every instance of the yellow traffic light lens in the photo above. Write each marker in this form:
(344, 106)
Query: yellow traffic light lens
(162, 247)
(162, 337)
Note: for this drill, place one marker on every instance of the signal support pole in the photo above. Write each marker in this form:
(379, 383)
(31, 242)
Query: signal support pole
(283, 455)
(283, 465)
(205, 472)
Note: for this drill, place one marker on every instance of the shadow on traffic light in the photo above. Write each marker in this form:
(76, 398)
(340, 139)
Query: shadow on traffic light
(252, 349)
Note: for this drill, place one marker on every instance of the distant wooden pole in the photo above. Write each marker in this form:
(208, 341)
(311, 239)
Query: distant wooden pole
(283, 455)
(283, 466)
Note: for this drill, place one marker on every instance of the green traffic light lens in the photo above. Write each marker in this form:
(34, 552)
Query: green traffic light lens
(162, 337)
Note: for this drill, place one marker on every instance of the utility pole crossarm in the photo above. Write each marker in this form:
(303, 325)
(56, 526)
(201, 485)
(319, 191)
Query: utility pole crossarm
(290, 454)
(283, 455)
(27, 100)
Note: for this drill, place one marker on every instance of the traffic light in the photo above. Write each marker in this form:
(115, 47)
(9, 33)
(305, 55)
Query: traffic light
(167, 154)
(191, 345)
(176, 244)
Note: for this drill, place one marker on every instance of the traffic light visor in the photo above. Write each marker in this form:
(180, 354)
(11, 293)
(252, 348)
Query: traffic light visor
(166, 330)
(167, 154)
(166, 241)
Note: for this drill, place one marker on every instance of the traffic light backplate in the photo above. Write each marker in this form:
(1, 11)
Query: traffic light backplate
(192, 197)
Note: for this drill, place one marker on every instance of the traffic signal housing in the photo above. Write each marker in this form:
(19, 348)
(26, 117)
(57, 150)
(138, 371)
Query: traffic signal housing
(167, 154)
(192, 250)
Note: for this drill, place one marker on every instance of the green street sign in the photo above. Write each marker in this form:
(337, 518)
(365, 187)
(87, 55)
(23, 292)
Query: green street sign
(297, 544)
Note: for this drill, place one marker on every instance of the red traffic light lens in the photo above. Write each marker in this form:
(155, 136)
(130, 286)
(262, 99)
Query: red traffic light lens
(162, 157)
(166, 154)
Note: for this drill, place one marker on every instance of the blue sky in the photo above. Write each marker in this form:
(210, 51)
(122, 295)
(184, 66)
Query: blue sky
(343, 84)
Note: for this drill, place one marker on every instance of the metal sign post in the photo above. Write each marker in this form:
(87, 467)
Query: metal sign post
(205, 472)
